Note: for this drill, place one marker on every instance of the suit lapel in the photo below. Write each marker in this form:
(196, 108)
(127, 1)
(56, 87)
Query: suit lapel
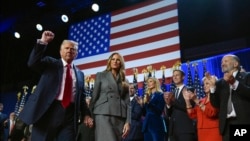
(112, 82)
(60, 71)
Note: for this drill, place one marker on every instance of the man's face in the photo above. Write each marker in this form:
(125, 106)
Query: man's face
(227, 64)
(177, 77)
(68, 52)
(131, 90)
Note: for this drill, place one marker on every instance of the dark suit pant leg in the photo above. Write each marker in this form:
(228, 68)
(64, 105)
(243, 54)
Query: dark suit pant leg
(226, 134)
(86, 133)
(55, 125)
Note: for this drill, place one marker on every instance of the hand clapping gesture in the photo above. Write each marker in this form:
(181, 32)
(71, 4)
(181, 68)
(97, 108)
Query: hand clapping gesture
(189, 95)
(211, 78)
(169, 97)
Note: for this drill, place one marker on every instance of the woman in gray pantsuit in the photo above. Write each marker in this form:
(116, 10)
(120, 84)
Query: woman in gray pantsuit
(110, 103)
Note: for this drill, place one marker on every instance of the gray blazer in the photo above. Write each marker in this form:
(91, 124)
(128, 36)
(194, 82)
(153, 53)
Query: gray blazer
(109, 97)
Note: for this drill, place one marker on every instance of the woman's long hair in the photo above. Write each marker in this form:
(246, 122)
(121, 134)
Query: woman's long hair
(157, 88)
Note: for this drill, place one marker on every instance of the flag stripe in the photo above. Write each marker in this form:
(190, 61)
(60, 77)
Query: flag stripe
(155, 14)
(82, 63)
(157, 37)
(132, 57)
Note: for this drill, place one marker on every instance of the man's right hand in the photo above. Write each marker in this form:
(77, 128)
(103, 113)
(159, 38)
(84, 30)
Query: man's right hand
(47, 37)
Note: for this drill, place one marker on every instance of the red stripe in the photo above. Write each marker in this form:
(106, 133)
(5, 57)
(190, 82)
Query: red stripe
(139, 5)
(131, 57)
(142, 41)
(145, 27)
(151, 53)
(145, 15)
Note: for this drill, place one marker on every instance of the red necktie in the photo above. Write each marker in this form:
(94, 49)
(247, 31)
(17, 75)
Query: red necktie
(67, 88)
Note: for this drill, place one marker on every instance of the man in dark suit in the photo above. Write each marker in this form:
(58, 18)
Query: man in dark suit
(181, 127)
(231, 95)
(52, 117)
(3, 118)
(135, 133)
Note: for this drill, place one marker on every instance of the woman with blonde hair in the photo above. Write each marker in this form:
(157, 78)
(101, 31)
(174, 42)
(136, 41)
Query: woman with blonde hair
(153, 104)
(204, 112)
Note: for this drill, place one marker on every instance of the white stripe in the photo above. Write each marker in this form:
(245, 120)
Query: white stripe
(153, 60)
(142, 10)
(145, 21)
(144, 34)
(130, 50)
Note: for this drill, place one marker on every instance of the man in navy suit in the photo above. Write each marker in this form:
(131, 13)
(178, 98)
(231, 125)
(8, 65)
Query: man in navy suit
(135, 133)
(231, 95)
(181, 127)
(53, 120)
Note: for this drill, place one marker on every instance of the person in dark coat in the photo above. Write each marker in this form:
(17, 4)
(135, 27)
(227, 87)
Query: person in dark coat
(231, 94)
(181, 127)
(135, 133)
(53, 116)
(154, 126)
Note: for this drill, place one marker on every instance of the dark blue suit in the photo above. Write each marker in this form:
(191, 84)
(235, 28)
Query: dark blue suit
(153, 123)
(181, 127)
(135, 133)
(42, 110)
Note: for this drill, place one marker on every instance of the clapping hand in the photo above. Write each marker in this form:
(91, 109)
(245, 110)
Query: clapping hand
(211, 78)
(188, 95)
(168, 97)
(228, 77)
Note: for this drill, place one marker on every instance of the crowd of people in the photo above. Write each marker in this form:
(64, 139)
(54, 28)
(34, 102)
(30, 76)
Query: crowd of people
(59, 111)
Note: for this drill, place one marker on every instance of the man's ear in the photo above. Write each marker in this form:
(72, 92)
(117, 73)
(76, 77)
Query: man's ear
(236, 64)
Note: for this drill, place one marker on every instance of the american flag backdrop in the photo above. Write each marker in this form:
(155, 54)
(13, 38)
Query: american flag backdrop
(145, 34)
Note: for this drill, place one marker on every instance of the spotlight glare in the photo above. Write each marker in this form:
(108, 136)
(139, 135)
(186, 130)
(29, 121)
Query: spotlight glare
(95, 7)
(17, 35)
(65, 18)
(39, 27)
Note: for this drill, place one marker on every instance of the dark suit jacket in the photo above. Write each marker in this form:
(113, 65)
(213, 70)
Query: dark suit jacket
(135, 133)
(48, 88)
(179, 121)
(240, 99)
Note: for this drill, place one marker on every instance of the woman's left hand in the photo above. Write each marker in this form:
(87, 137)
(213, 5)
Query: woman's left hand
(125, 130)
